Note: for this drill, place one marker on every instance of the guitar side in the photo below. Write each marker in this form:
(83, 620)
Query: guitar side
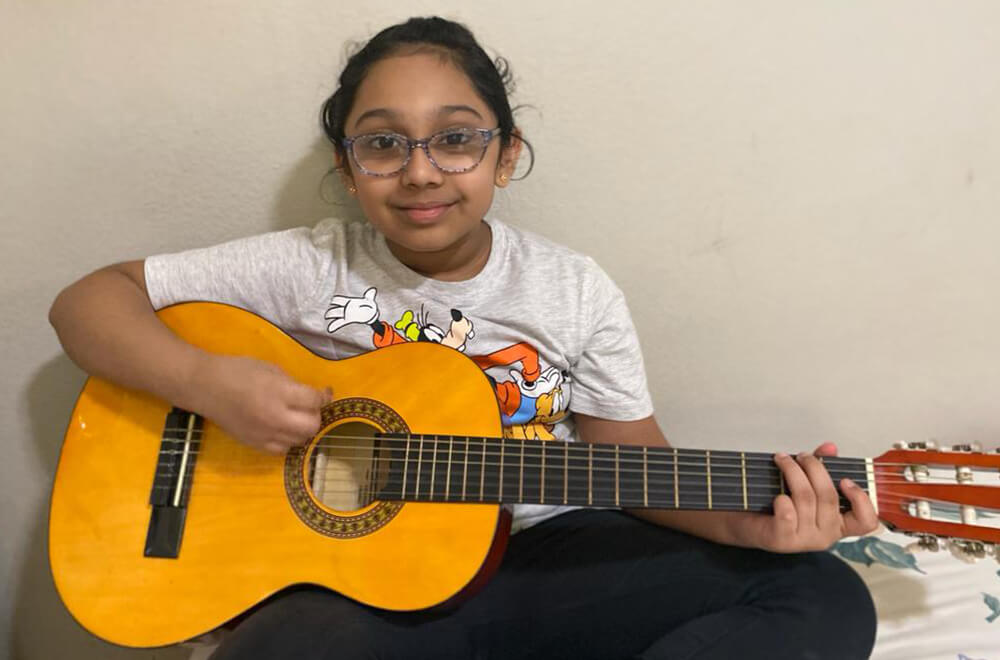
(242, 539)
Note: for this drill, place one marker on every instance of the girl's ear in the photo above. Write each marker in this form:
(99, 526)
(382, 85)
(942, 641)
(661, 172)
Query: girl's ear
(340, 164)
(508, 159)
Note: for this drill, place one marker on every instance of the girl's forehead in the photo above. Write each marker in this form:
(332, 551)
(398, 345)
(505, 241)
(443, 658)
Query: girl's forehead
(415, 88)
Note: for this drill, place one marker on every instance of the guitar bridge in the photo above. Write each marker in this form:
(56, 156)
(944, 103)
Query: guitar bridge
(172, 483)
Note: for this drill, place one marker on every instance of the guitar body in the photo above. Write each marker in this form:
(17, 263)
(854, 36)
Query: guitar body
(250, 527)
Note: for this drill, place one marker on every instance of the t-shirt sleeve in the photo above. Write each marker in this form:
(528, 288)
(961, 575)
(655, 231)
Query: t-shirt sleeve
(272, 275)
(609, 378)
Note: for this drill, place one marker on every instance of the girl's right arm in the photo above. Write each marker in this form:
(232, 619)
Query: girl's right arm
(108, 327)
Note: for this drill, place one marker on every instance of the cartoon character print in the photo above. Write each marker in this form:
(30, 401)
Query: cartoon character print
(531, 402)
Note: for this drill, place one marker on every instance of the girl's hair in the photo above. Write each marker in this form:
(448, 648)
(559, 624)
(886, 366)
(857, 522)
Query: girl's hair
(491, 79)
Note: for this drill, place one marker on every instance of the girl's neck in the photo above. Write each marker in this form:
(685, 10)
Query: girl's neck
(460, 261)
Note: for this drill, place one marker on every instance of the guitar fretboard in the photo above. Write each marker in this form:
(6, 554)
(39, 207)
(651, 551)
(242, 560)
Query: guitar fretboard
(433, 468)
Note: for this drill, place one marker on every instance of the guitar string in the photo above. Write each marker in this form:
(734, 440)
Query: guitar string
(716, 467)
(512, 443)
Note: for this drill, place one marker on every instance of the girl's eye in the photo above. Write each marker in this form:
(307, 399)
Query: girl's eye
(382, 142)
(455, 139)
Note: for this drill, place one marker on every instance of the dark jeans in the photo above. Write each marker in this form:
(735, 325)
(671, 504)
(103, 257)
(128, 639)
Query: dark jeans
(595, 584)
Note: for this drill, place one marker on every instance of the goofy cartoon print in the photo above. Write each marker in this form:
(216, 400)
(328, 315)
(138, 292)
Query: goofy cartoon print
(531, 402)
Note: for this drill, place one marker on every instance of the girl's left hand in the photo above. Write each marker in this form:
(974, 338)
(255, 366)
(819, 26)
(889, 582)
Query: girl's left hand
(809, 517)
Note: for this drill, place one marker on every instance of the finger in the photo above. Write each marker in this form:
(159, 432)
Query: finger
(301, 425)
(800, 489)
(274, 447)
(337, 325)
(827, 499)
(784, 523)
(862, 518)
(304, 397)
(340, 301)
(826, 449)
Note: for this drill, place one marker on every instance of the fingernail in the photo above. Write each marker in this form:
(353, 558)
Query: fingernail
(781, 455)
(802, 454)
(850, 484)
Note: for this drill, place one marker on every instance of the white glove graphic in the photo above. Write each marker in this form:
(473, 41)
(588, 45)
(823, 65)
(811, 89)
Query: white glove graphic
(345, 310)
(549, 380)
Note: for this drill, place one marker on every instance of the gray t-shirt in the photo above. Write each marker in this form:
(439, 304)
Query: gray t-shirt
(545, 323)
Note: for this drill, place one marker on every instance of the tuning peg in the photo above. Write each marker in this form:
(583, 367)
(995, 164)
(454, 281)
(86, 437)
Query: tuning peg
(929, 542)
(929, 445)
(901, 445)
(968, 447)
(968, 551)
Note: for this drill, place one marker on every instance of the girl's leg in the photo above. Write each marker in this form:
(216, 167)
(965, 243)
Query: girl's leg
(602, 585)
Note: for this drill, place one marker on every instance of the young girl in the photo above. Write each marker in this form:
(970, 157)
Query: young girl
(423, 134)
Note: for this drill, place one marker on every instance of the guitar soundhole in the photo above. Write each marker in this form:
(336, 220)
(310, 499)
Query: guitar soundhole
(333, 484)
(347, 468)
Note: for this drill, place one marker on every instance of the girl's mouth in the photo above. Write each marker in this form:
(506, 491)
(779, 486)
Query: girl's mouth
(426, 212)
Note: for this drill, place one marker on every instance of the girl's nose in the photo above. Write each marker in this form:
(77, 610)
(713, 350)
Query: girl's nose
(420, 171)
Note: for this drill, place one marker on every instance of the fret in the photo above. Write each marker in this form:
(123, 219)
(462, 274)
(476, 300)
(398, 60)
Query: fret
(420, 457)
(617, 493)
(434, 456)
(534, 475)
(465, 467)
(565, 473)
(728, 473)
(590, 474)
(677, 495)
(743, 474)
(541, 488)
(554, 474)
(520, 481)
(482, 473)
(631, 479)
(690, 477)
(603, 475)
(503, 446)
(645, 478)
(447, 479)
(708, 477)
(406, 461)
(577, 474)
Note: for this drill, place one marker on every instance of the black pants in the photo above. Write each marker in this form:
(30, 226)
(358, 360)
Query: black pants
(595, 584)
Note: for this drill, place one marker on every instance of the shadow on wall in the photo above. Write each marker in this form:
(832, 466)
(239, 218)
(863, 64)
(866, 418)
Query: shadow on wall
(42, 628)
(312, 190)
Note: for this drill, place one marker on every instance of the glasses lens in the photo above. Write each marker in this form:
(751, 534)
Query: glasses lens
(380, 153)
(458, 149)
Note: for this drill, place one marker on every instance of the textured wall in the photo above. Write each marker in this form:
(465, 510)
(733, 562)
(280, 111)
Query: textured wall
(800, 200)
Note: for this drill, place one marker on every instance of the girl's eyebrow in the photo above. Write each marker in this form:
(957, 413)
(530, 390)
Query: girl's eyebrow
(386, 113)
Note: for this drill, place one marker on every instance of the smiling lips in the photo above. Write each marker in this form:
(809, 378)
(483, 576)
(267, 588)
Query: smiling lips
(426, 211)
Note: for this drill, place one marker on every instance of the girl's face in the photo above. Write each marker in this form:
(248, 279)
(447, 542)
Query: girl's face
(422, 210)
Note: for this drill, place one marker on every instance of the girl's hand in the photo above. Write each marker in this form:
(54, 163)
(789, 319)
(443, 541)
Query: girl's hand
(809, 518)
(257, 403)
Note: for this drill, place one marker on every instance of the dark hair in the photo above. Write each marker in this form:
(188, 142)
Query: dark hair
(491, 79)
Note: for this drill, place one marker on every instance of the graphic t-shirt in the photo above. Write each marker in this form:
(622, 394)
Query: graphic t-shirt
(546, 324)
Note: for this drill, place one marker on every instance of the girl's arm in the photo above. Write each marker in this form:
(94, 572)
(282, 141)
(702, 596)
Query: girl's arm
(809, 519)
(108, 327)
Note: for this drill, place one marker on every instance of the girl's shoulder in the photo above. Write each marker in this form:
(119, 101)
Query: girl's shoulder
(539, 254)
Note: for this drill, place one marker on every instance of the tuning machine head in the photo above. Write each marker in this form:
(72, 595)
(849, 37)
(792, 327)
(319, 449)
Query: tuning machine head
(971, 551)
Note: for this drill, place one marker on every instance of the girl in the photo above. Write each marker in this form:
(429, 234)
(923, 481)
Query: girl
(423, 134)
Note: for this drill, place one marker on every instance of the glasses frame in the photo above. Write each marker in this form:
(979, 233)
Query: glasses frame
(487, 133)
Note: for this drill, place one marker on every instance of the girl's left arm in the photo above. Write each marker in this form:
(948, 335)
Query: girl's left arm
(807, 519)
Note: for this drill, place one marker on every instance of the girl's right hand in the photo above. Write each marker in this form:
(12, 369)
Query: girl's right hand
(257, 403)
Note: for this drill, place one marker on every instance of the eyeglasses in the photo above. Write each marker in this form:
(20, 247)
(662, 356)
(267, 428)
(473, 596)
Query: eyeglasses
(453, 150)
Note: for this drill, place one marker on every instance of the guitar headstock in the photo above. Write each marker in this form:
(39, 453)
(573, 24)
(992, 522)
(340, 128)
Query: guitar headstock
(950, 494)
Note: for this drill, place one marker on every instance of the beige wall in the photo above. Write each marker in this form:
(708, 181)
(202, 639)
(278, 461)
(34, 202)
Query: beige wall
(800, 200)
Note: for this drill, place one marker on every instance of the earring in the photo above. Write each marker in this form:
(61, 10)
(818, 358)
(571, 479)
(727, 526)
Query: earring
(351, 189)
(503, 179)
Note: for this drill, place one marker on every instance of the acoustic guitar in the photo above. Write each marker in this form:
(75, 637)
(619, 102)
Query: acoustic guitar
(162, 527)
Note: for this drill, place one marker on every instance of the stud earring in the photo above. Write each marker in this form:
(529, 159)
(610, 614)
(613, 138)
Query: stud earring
(503, 179)
(351, 189)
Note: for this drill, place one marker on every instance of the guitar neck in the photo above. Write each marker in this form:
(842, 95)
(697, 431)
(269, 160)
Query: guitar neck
(435, 468)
